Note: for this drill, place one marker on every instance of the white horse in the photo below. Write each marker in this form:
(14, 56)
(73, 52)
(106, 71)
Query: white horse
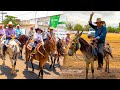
(13, 50)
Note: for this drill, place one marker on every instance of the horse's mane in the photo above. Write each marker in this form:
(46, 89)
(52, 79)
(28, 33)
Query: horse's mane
(83, 41)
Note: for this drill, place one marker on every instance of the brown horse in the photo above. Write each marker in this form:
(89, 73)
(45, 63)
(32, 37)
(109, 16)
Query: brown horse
(89, 57)
(22, 39)
(60, 52)
(42, 54)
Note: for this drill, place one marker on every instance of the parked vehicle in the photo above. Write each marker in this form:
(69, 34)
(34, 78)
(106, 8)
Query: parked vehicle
(91, 32)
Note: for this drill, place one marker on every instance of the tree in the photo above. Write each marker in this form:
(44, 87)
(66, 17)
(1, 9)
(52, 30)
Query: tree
(78, 27)
(86, 27)
(10, 18)
(69, 26)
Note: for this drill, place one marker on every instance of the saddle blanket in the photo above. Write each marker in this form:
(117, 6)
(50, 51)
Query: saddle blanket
(30, 45)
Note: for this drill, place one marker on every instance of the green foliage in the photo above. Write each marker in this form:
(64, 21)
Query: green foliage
(78, 27)
(86, 27)
(113, 29)
(69, 26)
(10, 18)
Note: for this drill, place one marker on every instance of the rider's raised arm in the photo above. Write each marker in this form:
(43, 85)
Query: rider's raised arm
(90, 21)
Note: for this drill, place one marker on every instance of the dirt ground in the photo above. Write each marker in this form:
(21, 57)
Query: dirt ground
(73, 68)
(22, 73)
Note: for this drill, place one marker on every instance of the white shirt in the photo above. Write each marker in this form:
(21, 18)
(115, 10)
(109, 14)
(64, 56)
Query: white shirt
(38, 37)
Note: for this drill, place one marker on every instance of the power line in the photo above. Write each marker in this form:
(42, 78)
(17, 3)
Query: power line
(24, 13)
(2, 13)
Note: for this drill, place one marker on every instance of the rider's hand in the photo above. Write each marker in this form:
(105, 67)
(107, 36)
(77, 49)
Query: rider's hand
(91, 15)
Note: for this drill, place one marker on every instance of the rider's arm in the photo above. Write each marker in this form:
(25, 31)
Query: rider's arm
(7, 34)
(90, 21)
(35, 37)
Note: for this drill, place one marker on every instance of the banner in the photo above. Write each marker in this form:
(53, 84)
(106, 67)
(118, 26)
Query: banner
(54, 21)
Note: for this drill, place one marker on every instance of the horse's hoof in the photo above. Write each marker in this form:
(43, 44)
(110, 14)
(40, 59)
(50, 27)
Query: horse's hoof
(105, 70)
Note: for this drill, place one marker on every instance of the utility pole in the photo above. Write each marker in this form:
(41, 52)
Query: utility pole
(2, 13)
(35, 20)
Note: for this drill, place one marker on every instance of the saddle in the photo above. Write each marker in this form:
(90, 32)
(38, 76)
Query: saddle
(37, 49)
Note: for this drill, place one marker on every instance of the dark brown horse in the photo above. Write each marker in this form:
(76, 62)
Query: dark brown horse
(89, 57)
(22, 39)
(60, 52)
(42, 54)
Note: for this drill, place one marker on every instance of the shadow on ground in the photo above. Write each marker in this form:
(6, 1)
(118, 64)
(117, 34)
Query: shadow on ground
(7, 72)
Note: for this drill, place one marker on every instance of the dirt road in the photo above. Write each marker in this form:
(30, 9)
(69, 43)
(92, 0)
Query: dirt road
(21, 73)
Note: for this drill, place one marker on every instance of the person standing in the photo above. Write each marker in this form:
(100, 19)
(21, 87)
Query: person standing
(100, 36)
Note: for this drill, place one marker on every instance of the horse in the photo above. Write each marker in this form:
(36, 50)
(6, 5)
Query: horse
(42, 54)
(13, 50)
(60, 52)
(88, 55)
(22, 39)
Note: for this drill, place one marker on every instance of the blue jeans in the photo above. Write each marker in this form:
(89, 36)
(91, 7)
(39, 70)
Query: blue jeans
(100, 47)
(35, 43)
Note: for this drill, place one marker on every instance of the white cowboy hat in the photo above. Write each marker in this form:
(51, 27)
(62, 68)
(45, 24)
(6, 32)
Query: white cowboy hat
(18, 25)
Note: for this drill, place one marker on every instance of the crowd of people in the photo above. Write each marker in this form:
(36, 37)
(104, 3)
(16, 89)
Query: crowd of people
(37, 35)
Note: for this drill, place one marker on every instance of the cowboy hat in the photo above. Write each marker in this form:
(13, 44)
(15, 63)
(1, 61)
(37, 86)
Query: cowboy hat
(99, 20)
(67, 33)
(51, 28)
(10, 23)
(38, 29)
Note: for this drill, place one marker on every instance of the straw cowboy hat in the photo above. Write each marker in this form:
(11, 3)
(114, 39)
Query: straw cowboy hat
(99, 20)
(51, 28)
(67, 33)
(10, 23)
(38, 29)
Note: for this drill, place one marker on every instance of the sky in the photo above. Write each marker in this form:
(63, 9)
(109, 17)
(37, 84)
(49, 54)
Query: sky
(112, 18)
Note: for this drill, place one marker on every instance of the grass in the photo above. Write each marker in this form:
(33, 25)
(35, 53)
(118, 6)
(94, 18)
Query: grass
(112, 38)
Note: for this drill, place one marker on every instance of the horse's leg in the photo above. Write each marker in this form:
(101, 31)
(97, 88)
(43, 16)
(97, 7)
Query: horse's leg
(51, 61)
(87, 67)
(32, 64)
(108, 64)
(55, 57)
(3, 58)
(27, 59)
(92, 69)
(15, 63)
(41, 71)
(12, 71)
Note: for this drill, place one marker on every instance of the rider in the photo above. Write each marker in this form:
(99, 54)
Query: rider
(31, 33)
(37, 39)
(2, 33)
(10, 33)
(18, 31)
(100, 35)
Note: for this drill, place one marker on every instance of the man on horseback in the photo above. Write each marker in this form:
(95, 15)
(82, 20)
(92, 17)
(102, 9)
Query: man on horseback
(31, 33)
(10, 33)
(18, 31)
(100, 35)
(2, 38)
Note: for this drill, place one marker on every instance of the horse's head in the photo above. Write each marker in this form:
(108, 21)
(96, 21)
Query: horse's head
(61, 46)
(23, 39)
(13, 48)
(75, 45)
(52, 44)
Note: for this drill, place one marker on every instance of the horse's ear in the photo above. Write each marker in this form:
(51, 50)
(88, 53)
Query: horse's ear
(80, 33)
